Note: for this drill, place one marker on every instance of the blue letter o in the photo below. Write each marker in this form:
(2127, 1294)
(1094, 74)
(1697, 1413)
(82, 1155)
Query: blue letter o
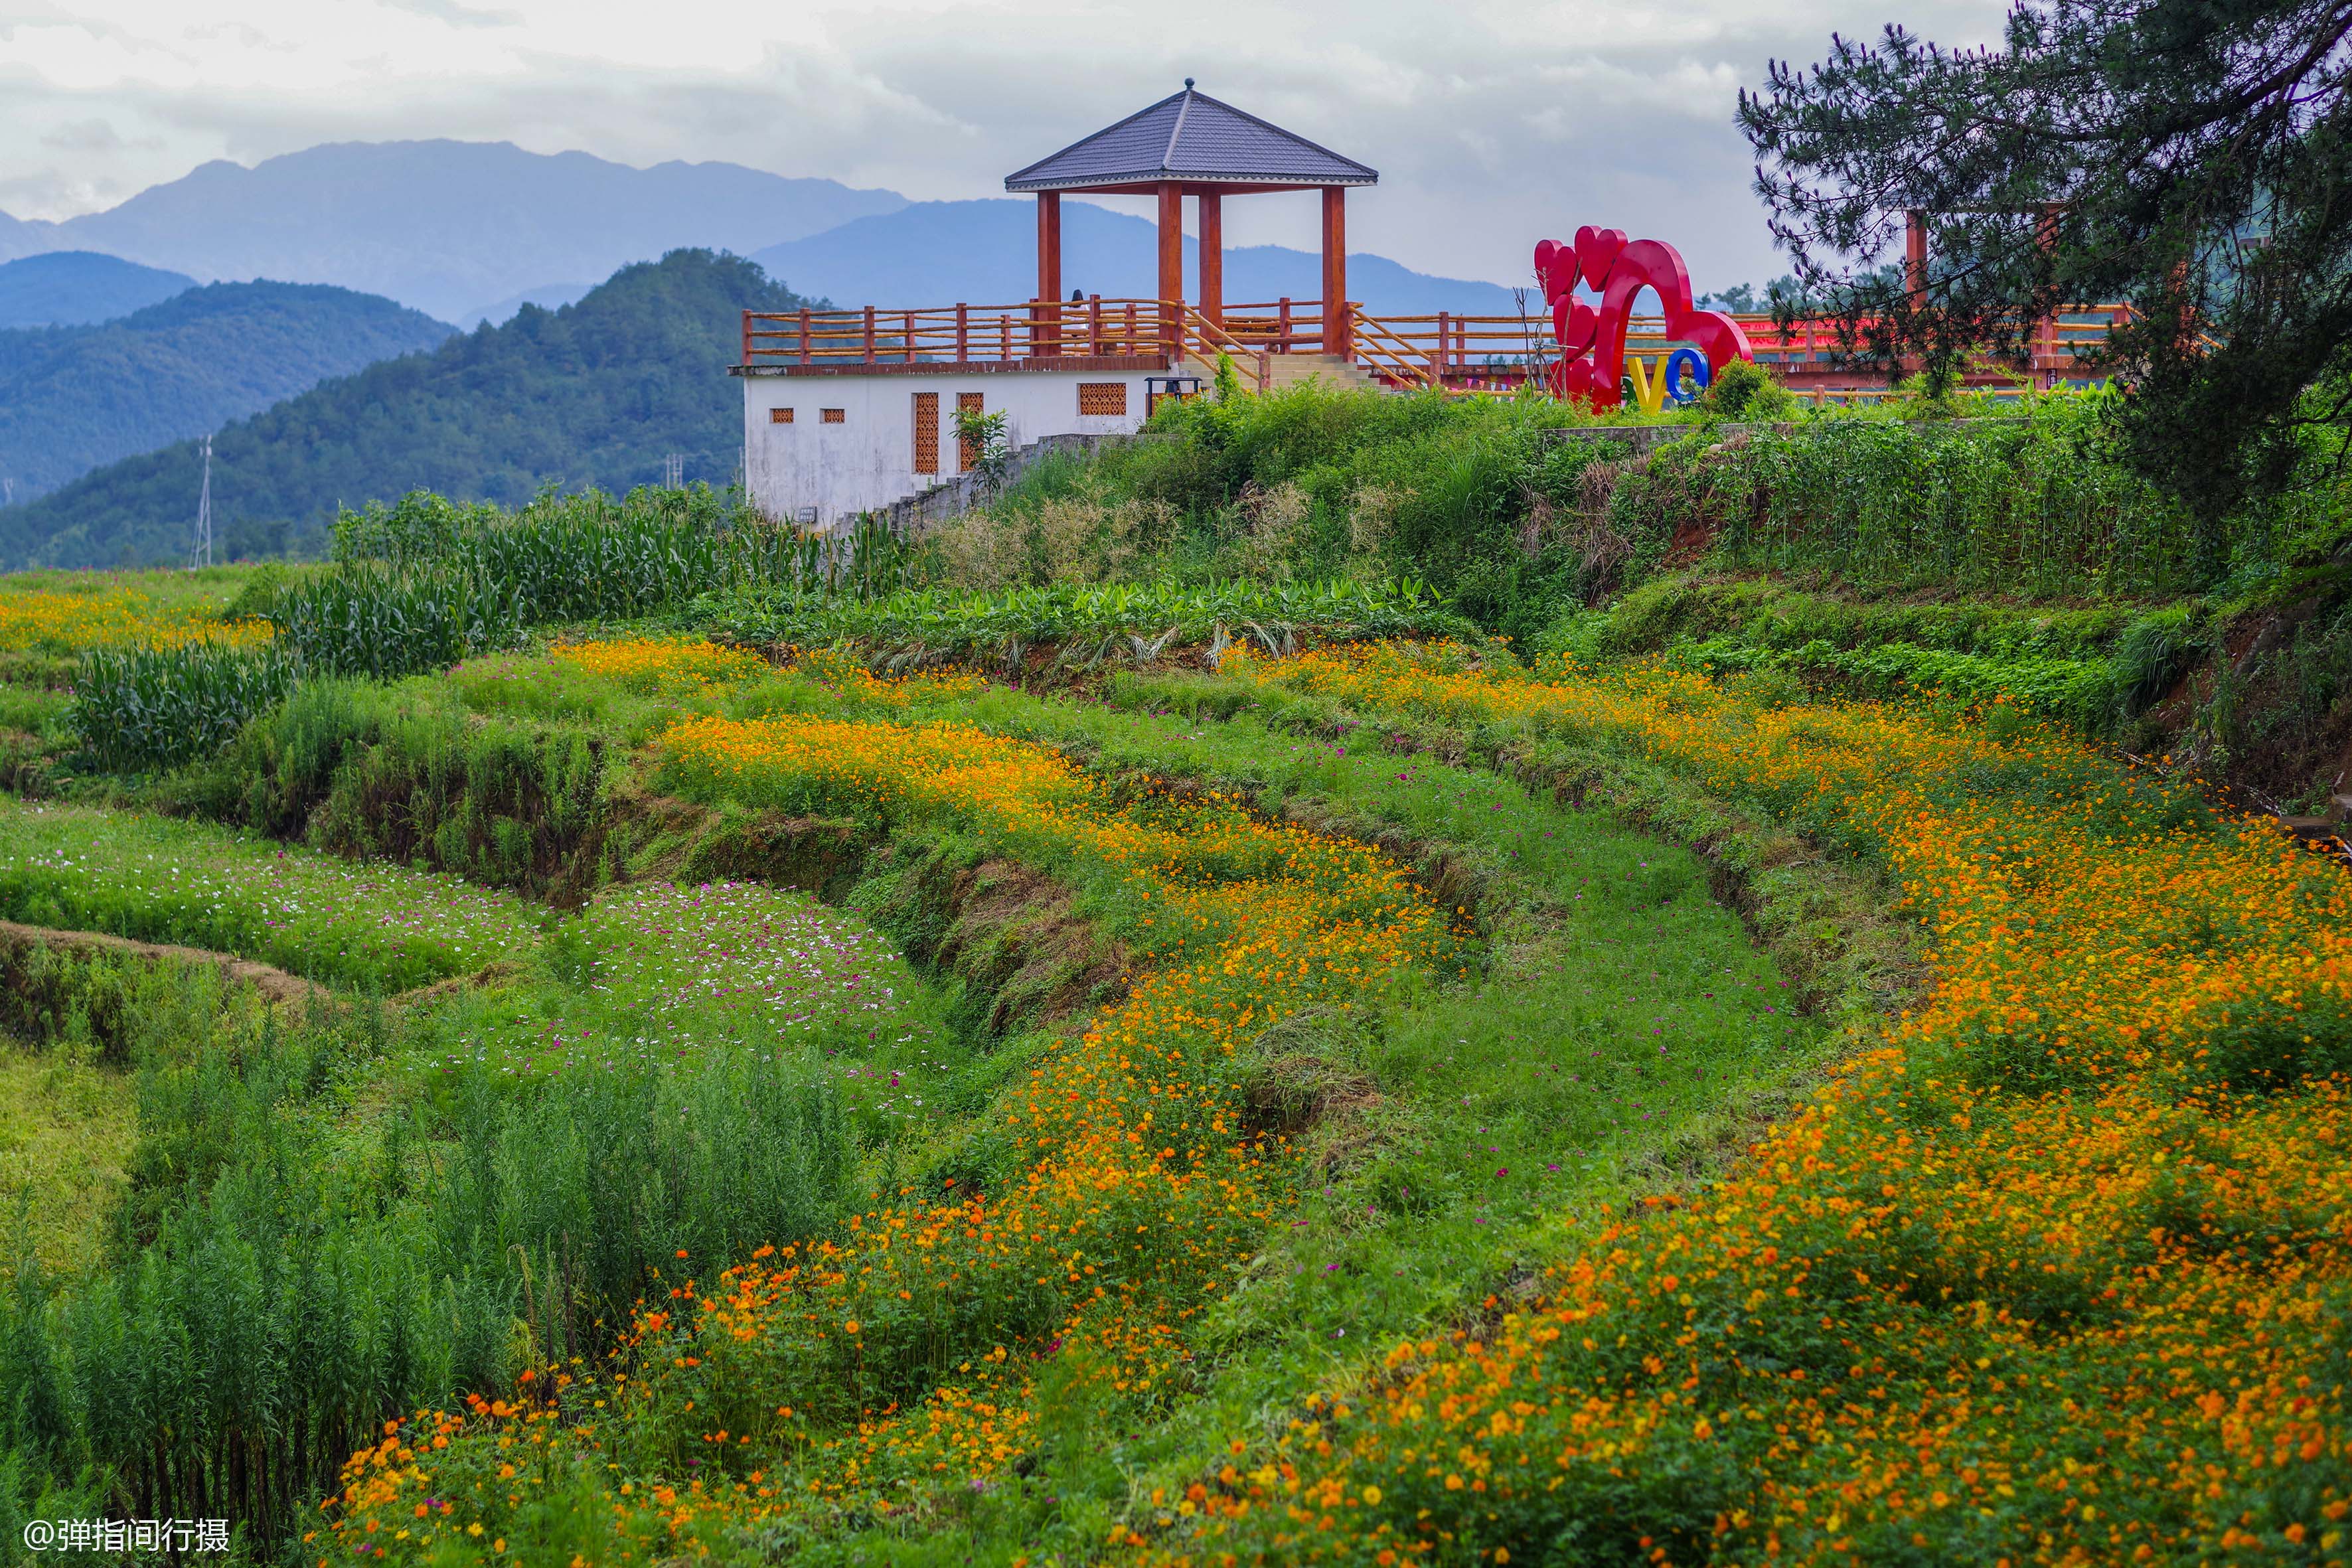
(1690, 361)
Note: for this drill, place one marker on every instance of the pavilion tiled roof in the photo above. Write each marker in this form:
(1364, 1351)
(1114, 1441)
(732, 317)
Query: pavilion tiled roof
(1193, 138)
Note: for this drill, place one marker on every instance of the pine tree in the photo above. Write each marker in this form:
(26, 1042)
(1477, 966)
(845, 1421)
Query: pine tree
(2193, 157)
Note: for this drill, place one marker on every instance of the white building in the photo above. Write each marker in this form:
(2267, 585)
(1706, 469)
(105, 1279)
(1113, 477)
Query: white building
(849, 411)
(823, 443)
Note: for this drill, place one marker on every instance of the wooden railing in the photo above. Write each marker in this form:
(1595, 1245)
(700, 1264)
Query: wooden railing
(1035, 329)
(1441, 350)
(1278, 326)
(1392, 358)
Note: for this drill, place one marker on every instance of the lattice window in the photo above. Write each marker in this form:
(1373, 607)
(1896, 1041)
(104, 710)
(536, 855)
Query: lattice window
(926, 432)
(780, 416)
(1102, 397)
(968, 450)
(835, 416)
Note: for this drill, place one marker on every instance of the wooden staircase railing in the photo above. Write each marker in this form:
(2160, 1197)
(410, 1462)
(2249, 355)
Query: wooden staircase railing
(1384, 353)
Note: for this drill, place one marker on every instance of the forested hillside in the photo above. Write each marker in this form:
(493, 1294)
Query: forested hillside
(72, 398)
(595, 393)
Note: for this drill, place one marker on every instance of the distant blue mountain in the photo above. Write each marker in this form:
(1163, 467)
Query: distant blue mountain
(445, 225)
(986, 252)
(547, 296)
(25, 237)
(74, 287)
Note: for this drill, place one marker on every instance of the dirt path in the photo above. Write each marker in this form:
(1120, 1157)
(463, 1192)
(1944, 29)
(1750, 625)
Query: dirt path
(271, 981)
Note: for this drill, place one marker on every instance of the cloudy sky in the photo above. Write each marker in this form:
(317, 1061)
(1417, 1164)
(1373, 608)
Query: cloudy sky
(1492, 121)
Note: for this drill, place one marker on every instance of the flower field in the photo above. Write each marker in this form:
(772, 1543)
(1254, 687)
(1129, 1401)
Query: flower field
(911, 1340)
(1415, 1166)
(2057, 1272)
(2051, 1271)
(157, 880)
(34, 620)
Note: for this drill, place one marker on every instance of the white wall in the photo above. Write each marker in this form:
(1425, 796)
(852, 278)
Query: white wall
(868, 460)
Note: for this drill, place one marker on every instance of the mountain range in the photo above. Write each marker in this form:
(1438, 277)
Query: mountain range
(597, 394)
(446, 227)
(72, 398)
(467, 232)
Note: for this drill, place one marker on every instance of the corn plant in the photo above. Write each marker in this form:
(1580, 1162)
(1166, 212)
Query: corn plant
(380, 622)
(157, 708)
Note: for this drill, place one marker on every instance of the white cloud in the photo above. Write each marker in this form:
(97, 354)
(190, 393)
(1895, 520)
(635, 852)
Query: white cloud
(1493, 122)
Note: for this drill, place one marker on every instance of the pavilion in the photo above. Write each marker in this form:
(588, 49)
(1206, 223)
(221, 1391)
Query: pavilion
(1190, 144)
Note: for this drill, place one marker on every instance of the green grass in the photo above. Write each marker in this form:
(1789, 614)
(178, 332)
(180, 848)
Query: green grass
(1620, 1021)
(708, 1066)
(379, 928)
(67, 1125)
(371, 1208)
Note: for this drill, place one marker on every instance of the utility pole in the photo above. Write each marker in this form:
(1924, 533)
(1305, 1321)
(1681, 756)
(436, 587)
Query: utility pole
(202, 555)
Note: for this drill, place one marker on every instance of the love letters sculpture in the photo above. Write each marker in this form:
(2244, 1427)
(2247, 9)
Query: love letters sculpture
(1592, 342)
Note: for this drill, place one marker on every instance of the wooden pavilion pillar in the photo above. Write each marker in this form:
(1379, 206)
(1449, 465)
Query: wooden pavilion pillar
(1045, 324)
(1915, 252)
(1212, 256)
(1337, 324)
(1049, 245)
(1171, 264)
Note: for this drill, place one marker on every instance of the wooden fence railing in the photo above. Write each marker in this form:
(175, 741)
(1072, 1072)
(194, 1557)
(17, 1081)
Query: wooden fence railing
(1404, 350)
(1037, 330)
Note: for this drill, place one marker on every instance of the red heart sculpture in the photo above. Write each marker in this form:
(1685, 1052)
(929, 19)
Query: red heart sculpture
(1598, 249)
(1555, 268)
(1574, 323)
(1592, 340)
(1573, 380)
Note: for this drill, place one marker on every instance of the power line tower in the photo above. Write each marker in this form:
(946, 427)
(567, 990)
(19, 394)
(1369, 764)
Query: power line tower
(202, 555)
(674, 470)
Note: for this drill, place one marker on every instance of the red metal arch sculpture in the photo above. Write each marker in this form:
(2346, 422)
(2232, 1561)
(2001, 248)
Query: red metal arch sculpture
(1592, 342)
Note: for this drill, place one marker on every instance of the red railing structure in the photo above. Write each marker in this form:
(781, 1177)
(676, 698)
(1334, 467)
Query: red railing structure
(1456, 353)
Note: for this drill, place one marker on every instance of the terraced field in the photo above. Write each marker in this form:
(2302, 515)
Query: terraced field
(627, 1097)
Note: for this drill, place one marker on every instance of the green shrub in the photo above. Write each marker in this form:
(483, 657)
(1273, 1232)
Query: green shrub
(2029, 506)
(1744, 390)
(1116, 623)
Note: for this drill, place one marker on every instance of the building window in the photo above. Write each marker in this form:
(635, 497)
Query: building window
(926, 432)
(968, 450)
(833, 416)
(1098, 397)
(780, 416)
